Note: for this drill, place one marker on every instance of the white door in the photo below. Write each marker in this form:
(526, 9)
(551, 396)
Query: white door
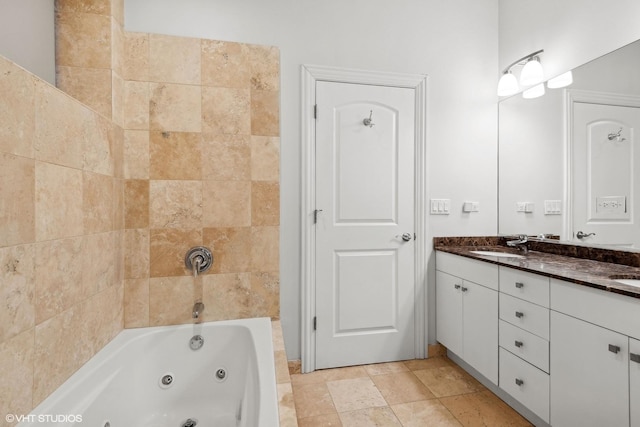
(604, 188)
(365, 202)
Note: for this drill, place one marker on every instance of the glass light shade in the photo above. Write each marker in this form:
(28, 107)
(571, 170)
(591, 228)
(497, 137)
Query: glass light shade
(561, 81)
(534, 92)
(508, 85)
(532, 73)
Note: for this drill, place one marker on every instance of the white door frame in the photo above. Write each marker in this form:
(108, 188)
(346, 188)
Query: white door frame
(310, 74)
(572, 96)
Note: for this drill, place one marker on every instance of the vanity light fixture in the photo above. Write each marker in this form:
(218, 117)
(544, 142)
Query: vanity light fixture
(562, 80)
(531, 74)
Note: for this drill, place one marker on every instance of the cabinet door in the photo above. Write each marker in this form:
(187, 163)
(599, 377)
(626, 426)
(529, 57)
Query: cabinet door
(589, 375)
(449, 312)
(480, 329)
(634, 381)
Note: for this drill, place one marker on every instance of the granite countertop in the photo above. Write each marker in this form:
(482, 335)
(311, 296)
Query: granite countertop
(582, 271)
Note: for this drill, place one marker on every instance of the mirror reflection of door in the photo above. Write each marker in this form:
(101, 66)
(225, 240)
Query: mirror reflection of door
(604, 190)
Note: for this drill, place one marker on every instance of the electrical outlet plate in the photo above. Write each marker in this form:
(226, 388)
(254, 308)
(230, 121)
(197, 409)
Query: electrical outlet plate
(470, 206)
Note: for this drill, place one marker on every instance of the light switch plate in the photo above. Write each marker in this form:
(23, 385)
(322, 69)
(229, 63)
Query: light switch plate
(553, 207)
(440, 206)
(470, 206)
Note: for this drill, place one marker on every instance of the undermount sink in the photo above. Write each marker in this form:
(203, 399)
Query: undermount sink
(499, 254)
(629, 281)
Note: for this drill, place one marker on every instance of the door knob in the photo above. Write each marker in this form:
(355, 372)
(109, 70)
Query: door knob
(582, 235)
(406, 237)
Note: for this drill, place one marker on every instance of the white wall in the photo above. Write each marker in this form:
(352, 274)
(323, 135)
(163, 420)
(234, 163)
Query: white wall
(571, 32)
(454, 43)
(27, 35)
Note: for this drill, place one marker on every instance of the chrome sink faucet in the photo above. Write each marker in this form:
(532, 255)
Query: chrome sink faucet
(521, 243)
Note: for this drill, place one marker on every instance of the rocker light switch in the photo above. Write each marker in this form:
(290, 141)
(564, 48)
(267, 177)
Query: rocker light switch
(440, 206)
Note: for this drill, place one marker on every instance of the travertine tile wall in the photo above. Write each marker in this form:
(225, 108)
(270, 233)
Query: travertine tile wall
(61, 237)
(202, 168)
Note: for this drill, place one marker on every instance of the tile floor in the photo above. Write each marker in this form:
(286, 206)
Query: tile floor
(420, 393)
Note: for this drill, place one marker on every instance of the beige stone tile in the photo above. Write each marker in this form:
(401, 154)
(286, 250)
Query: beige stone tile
(118, 204)
(295, 366)
(58, 272)
(136, 303)
(117, 44)
(385, 368)
(312, 400)
(286, 406)
(175, 155)
(175, 107)
(175, 204)
(17, 189)
(226, 296)
(83, 40)
(265, 67)
(367, 417)
(225, 64)
(276, 335)
(99, 264)
(425, 413)
(118, 256)
(117, 150)
(265, 113)
(328, 420)
(97, 202)
(98, 7)
(57, 353)
(136, 154)
(226, 110)
(17, 293)
(91, 86)
(483, 409)
(136, 259)
(17, 109)
(354, 394)
(265, 254)
(135, 61)
(282, 368)
(230, 247)
(60, 127)
(325, 375)
(167, 250)
(117, 99)
(174, 59)
(100, 319)
(59, 202)
(101, 145)
(136, 203)
(265, 158)
(226, 157)
(136, 105)
(448, 381)
(117, 10)
(430, 363)
(265, 294)
(226, 203)
(265, 203)
(16, 374)
(435, 350)
(171, 300)
(401, 387)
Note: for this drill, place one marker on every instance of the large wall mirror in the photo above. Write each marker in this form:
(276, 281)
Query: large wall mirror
(569, 164)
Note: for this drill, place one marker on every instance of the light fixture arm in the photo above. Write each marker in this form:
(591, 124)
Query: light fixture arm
(529, 56)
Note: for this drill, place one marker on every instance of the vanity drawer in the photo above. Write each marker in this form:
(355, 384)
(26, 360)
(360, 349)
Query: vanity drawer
(527, 286)
(526, 315)
(480, 272)
(525, 383)
(526, 345)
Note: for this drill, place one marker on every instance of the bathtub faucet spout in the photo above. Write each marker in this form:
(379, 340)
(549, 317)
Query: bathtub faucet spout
(198, 308)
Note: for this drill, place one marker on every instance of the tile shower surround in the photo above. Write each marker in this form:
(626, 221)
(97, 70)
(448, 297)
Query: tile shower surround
(98, 206)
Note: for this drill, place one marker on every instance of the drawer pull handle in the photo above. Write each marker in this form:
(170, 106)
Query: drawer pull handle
(519, 382)
(634, 357)
(456, 286)
(519, 314)
(464, 289)
(614, 348)
(519, 344)
(519, 285)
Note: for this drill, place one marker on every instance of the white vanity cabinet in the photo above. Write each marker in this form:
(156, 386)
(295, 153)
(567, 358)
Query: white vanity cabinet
(467, 311)
(594, 381)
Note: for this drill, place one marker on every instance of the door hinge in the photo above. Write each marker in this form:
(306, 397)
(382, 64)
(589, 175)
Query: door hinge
(315, 111)
(315, 215)
(315, 323)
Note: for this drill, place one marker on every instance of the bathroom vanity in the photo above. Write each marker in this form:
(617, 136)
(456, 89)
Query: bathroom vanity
(558, 334)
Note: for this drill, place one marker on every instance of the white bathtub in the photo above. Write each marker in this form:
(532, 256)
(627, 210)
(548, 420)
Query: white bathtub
(122, 386)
